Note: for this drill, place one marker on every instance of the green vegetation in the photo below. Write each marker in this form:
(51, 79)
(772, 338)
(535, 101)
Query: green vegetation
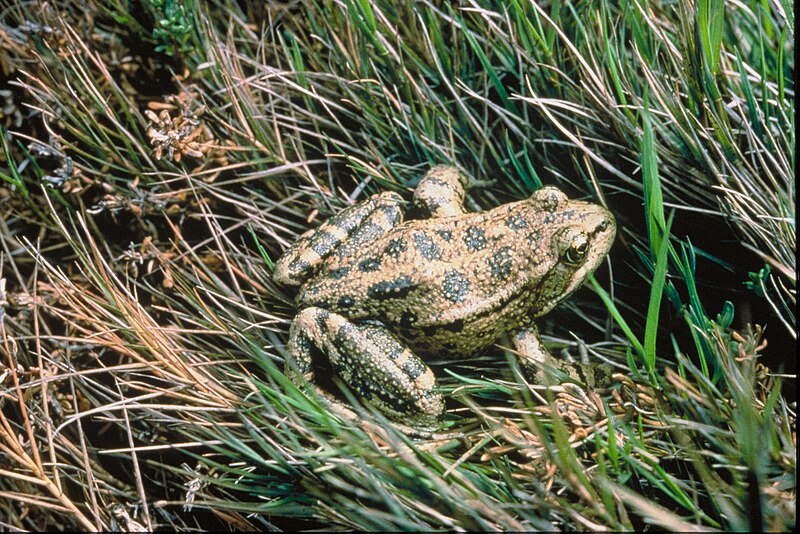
(173, 26)
(158, 156)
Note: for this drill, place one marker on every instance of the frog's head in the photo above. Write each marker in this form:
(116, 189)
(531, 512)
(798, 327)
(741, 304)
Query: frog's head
(575, 238)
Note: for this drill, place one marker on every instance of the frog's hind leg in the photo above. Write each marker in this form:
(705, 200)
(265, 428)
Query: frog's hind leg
(371, 361)
(441, 192)
(348, 230)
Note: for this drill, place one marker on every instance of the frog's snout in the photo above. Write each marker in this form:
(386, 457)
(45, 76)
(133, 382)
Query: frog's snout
(606, 226)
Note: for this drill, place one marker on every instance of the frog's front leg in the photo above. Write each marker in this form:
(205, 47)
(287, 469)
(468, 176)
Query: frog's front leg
(532, 354)
(342, 234)
(371, 361)
(540, 366)
(536, 361)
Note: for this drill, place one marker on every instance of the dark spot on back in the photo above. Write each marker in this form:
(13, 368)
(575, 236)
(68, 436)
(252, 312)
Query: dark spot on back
(323, 242)
(367, 233)
(369, 265)
(298, 266)
(426, 247)
(446, 235)
(414, 368)
(391, 289)
(322, 317)
(338, 274)
(501, 263)
(408, 319)
(345, 301)
(395, 248)
(363, 235)
(516, 222)
(456, 326)
(455, 286)
(534, 235)
(392, 213)
(475, 238)
(438, 181)
(430, 330)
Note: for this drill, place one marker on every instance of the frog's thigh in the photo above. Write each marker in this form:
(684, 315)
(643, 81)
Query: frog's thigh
(441, 192)
(349, 229)
(370, 361)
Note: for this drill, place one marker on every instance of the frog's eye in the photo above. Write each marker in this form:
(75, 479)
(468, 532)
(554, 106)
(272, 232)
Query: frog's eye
(577, 249)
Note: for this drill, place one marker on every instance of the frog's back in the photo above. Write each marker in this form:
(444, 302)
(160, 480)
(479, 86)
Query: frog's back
(451, 284)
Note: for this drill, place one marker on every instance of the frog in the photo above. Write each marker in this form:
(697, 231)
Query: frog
(379, 294)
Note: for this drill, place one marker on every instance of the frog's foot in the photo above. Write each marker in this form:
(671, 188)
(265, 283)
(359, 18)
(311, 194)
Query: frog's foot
(533, 356)
(371, 361)
(442, 191)
(541, 368)
(345, 232)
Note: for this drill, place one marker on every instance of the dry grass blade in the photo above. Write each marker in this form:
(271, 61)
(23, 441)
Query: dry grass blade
(14, 448)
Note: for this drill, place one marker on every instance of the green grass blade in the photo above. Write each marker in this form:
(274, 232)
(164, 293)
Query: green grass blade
(653, 196)
(617, 316)
(654, 305)
(710, 18)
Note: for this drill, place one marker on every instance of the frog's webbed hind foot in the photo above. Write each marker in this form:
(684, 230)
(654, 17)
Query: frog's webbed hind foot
(371, 361)
(345, 232)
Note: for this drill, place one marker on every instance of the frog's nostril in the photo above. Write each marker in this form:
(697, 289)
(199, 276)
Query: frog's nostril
(603, 226)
